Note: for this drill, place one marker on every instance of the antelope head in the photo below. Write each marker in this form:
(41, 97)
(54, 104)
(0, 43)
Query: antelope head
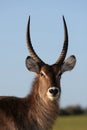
(48, 76)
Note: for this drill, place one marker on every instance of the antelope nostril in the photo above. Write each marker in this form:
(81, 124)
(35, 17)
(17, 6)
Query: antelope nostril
(53, 91)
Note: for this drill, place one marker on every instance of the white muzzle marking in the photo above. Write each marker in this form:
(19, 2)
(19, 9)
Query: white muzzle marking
(53, 93)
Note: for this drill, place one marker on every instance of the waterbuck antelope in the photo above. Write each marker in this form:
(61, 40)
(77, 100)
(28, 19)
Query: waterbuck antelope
(39, 109)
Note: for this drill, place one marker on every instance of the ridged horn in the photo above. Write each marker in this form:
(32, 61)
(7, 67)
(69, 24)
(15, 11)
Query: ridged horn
(29, 45)
(65, 45)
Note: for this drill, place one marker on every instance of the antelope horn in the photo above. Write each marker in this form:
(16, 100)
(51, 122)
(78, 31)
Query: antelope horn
(65, 46)
(29, 45)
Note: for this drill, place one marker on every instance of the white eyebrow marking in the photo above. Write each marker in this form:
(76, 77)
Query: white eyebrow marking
(43, 73)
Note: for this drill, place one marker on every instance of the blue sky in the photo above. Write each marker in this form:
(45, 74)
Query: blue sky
(47, 39)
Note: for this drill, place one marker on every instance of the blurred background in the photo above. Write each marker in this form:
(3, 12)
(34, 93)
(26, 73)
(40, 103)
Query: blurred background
(47, 36)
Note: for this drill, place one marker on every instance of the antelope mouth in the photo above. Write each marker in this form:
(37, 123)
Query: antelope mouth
(53, 93)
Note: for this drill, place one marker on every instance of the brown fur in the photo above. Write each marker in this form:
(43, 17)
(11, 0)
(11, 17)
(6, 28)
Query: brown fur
(29, 113)
(39, 110)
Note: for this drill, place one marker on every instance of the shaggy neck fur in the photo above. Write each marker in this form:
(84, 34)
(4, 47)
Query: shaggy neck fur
(41, 114)
(29, 113)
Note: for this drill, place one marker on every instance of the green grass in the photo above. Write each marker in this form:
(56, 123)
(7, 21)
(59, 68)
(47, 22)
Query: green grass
(71, 123)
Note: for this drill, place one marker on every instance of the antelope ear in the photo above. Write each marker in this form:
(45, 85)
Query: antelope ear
(68, 64)
(32, 65)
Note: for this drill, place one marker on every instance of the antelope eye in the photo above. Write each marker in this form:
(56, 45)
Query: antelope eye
(42, 74)
(60, 74)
